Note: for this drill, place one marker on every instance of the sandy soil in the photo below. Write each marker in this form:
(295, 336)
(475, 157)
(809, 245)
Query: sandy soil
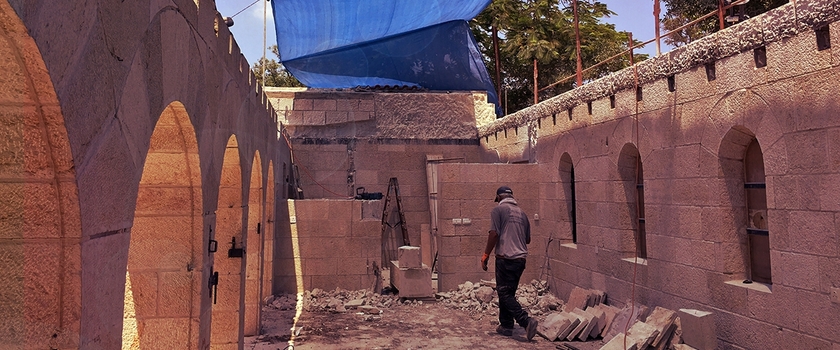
(404, 326)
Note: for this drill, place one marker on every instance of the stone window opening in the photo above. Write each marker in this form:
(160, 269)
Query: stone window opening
(755, 191)
(711, 73)
(823, 38)
(760, 57)
(567, 179)
(632, 175)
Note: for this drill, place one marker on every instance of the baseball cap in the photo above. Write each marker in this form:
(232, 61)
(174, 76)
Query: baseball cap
(504, 189)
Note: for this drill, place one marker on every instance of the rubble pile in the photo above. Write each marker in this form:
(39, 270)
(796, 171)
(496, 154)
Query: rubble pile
(338, 300)
(481, 296)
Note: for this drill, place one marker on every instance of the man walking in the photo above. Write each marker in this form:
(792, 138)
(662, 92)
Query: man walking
(510, 232)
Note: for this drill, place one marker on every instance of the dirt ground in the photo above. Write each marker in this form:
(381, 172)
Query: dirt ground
(404, 326)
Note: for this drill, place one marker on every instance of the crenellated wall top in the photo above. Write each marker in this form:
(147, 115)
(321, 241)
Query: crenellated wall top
(780, 23)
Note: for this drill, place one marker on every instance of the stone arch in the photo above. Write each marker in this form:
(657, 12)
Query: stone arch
(165, 255)
(40, 225)
(254, 240)
(227, 312)
(631, 174)
(739, 154)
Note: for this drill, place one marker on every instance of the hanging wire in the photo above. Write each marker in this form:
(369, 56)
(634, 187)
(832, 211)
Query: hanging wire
(246, 7)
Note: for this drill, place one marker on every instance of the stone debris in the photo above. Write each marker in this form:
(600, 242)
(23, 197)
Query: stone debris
(585, 318)
(633, 314)
(662, 319)
(355, 303)
(484, 294)
(599, 323)
(338, 300)
(553, 324)
(660, 330)
(582, 298)
(481, 297)
(283, 302)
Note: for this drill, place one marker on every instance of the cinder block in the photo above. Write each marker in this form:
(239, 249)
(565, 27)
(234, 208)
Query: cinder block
(411, 283)
(409, 257)
(698, 328)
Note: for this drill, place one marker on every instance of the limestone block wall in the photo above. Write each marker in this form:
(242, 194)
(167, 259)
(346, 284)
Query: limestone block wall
(332, 243)
(385, 135)
(84, 86)
(467, 191)
(690, 130)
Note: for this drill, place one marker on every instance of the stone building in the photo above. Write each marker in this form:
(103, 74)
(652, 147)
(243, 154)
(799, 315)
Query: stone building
(140, 163)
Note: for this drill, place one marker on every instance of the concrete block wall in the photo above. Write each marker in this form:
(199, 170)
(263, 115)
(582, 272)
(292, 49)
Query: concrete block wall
(334, 243)
(691, 142)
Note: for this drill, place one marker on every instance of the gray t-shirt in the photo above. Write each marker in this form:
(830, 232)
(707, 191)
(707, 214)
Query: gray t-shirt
(513, 227)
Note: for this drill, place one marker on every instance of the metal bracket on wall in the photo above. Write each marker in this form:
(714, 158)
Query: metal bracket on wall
(212, 245)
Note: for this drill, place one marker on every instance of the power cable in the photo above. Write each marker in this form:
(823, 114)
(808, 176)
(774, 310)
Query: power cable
(246, 7)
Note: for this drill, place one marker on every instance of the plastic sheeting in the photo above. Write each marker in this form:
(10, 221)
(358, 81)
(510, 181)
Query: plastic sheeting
(349, 43)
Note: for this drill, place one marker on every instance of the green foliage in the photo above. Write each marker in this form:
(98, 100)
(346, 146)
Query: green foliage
(543, 30)
(275, 73)
(681, 12)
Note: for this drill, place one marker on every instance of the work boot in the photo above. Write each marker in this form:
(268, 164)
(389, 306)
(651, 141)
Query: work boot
(531, 329)
(504, 331)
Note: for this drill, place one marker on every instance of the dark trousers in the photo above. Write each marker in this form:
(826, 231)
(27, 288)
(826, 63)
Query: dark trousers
(508, 273)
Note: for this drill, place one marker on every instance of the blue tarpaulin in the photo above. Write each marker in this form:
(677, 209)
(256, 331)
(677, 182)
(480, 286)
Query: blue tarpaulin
(350, 43)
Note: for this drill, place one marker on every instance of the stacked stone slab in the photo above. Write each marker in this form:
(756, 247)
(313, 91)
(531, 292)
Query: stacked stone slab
(663, 320)
(660, 330)
(584, 317)
(410, 276)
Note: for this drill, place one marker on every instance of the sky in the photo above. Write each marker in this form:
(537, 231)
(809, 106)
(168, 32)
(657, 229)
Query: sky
(635, 16)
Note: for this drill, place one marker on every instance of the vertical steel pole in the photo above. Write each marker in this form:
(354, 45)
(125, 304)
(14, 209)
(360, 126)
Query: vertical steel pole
(656, 15)
(577, 48)
(498, 64)
(536, 89)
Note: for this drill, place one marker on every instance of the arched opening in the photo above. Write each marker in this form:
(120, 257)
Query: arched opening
(253, 249)
(632, 175)
(567, 179)
(40, 226)
(226, 330)
(268, 237)
(164, 257)
(742, 165)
